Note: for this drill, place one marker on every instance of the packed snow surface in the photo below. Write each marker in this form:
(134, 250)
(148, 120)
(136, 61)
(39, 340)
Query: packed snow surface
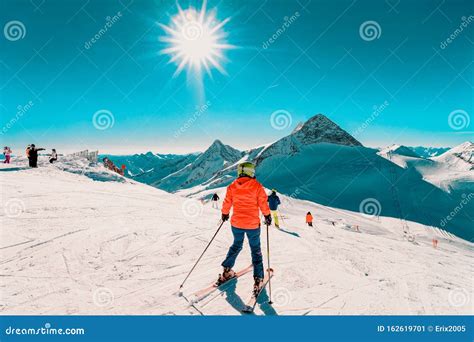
(79, 239)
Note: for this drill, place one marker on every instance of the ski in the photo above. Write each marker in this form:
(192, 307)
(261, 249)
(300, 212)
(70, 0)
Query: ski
(250, 306)
(203, 293)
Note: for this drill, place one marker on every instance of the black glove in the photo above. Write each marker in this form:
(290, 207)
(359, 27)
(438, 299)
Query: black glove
(268, 219)
(225, 217)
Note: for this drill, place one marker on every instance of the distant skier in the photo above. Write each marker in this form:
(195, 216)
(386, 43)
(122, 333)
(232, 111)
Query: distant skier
(27, 152)
(274, 202)
(214, 200)
(32, 153)
(309, 219)
(247, 197)
(54, 156)
(7, 153)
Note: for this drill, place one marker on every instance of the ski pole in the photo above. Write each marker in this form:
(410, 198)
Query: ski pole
(269, 275)
(205, 249)
(282, 220)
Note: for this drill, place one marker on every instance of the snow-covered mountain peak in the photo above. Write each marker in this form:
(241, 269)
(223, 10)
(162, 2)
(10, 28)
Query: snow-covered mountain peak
(217, 145)
(464, 148)
(461, 156)
(216, 158)
(219, 149)
(320, 128)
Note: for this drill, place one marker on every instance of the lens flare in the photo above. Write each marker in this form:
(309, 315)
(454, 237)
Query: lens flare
(196, 40)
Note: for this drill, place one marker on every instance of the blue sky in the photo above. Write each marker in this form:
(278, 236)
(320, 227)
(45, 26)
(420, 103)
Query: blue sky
(319, 64)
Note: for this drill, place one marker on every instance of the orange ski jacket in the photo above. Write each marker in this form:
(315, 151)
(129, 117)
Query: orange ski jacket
(246, 196)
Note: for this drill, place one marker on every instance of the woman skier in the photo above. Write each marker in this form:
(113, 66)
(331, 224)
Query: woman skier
(7, 153)
(54, 156)
(246, 196)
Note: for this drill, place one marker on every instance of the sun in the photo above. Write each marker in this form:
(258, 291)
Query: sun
(196, 40)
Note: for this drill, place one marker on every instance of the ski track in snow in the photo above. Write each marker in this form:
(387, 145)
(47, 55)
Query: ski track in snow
(87, 247)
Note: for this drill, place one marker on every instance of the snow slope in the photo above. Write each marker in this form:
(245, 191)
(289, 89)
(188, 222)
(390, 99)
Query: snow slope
(460, 157)
(74, 245)
(399, 154)
(453, 171)
(344, 176)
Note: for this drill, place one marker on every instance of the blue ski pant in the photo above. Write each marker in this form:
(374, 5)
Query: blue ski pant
(253, 235)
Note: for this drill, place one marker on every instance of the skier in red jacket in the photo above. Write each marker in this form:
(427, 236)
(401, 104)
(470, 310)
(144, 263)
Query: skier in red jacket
(247, 197)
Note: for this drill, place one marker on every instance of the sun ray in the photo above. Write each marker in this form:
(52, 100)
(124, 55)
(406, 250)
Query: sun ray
(203, 11)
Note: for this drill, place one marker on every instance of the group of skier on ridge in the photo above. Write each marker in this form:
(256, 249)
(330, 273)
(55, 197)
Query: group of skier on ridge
(247, 197)
(31, 153)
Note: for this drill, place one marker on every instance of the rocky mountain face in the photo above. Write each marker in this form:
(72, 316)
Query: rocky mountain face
(318, 129)
(150, 167)
(215, 159)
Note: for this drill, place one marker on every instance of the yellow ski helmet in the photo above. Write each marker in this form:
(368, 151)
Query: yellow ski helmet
(246, 169)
